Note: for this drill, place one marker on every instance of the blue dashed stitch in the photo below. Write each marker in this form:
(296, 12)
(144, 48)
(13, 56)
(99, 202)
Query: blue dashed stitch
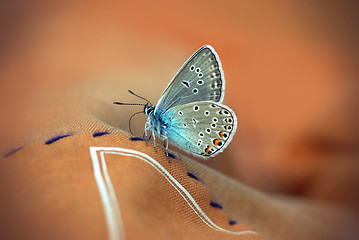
(232, 222)
(171, 155)
(98, 134)
(12, 152)
(216, 205)
(192, 176)
(136, 139)
(54, 139)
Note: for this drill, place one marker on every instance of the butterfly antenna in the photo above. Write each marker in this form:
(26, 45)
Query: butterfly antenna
(120, 103)
(139, 96)
(129, 121)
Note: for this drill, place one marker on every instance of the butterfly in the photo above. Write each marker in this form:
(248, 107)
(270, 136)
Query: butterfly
(190, 113)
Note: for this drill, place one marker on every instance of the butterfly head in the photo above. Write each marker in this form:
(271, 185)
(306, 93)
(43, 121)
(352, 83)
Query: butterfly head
(148, 109)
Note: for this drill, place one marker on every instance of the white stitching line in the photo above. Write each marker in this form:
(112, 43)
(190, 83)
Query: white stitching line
(108, 197)
(112, 194)
(180, 189)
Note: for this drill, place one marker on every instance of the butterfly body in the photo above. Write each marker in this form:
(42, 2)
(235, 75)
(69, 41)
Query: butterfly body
(189, 112)
(155, 122)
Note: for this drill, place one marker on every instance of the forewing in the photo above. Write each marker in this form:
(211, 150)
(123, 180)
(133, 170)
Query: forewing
(201, 78)
(202, 128)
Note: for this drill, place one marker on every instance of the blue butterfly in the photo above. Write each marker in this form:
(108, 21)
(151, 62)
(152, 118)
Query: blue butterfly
(190, 112)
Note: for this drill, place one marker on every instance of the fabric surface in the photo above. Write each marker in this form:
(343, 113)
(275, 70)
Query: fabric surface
(69, 169)
(81, 186)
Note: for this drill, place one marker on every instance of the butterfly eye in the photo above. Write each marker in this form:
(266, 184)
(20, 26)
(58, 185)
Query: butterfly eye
(198, 70)
(199, 143)
(213, 125)
(200, 75)
(208, 130)
(206, 113)
(201, 134)
(215, 119)
(195, 90)
(192, 68)
(200, 82)
(196, 108)
(180, 113)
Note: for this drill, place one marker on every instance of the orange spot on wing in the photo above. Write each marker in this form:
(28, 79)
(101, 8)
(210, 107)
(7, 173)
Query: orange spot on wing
(207, 149)
(216, 142)
(221, 134)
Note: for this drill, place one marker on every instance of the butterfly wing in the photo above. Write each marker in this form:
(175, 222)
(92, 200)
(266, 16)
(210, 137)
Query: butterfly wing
(201, 78)
(202, 128)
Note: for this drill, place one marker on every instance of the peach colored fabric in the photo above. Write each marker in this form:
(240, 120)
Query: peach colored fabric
(290, 172)
(50, 192)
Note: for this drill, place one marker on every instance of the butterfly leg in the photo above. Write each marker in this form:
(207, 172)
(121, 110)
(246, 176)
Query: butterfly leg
(145, 133)
(165, 145)
(154, 140)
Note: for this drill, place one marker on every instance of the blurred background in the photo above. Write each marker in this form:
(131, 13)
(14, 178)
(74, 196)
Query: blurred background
(291, 73)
